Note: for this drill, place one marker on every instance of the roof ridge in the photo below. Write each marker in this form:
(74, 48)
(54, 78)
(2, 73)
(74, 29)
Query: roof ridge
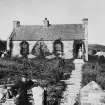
(35, 32)
(50, 24)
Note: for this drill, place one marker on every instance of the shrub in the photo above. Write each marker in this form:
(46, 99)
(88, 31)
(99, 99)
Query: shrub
(94, 72)
(50, 71)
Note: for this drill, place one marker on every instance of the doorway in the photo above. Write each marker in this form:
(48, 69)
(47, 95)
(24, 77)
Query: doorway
(78, 49)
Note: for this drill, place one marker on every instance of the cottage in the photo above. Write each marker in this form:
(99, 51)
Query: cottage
(58, 39)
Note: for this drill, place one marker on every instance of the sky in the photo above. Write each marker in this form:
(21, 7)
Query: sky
(32, 12)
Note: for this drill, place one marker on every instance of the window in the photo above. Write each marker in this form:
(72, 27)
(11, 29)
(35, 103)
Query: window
(24, 48)
(78, 49)
(58, 47)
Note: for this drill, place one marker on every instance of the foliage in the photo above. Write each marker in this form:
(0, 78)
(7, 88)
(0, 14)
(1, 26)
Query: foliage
(95, 59)
(94, 72)
(47, 72)
(3, 45)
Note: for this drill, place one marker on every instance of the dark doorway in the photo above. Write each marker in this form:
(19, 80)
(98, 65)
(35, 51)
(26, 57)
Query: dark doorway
(78, 49)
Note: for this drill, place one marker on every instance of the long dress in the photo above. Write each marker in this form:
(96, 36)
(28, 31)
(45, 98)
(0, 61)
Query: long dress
(38, 93)
(80, 54)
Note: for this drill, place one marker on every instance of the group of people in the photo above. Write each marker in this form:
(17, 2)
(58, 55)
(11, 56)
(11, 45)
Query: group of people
(20, 93)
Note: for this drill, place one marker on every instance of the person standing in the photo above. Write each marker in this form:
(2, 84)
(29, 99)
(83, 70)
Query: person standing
(80, 53)
(22, 86)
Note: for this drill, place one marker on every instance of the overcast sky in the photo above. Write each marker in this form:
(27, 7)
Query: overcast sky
(31, 12)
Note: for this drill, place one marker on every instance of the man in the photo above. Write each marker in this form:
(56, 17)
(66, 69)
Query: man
(22, 86)
(80, 53)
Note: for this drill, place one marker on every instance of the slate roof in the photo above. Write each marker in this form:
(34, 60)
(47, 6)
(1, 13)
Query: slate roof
(53, 32)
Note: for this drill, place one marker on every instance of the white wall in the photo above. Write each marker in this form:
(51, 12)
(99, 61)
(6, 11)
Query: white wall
(68, 47)
(16, 48)
(31, 45)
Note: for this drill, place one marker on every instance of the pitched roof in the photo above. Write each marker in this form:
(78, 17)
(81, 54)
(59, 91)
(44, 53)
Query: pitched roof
(53, 32)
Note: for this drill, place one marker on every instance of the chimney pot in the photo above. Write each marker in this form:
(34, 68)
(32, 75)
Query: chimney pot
(16, 24)
(85, 21)
(46, 22)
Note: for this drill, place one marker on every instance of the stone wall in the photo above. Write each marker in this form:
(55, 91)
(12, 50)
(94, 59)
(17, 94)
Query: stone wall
(16, 48)
(68, 47)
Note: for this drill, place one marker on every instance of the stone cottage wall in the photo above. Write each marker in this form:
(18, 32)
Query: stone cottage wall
(68, 47)
(7, 44)
(16, 47)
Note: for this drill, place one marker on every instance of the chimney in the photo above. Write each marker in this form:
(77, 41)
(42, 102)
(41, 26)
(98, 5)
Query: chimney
(46, 22)
(85, 26)
(85, 21)
(16, 24)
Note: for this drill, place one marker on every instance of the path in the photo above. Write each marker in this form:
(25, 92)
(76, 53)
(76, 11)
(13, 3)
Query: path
(73, 84)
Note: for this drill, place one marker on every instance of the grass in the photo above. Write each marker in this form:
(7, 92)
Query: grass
(94, 70)
(47, 72)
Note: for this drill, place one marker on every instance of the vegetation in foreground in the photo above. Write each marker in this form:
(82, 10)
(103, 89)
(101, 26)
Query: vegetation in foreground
(47, 72)
(94, 70)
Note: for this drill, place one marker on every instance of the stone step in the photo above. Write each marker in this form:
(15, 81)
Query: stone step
(73, 84)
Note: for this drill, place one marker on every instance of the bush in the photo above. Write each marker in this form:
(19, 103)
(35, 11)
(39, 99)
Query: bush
(94, 72)
(47, 72)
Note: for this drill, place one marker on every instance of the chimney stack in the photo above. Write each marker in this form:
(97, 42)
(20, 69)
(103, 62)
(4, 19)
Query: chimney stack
(85, 21)
(85, 26)
(16, 24)
(46, 22)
